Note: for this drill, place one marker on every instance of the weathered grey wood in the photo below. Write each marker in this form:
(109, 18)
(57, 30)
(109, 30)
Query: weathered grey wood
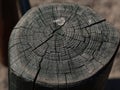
(59, 46)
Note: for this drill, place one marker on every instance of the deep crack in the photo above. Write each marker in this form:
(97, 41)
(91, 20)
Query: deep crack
(34, 81)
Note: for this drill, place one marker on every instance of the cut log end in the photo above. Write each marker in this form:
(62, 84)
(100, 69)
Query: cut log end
(61, 44)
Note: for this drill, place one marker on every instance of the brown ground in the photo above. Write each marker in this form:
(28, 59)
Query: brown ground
(108, 9)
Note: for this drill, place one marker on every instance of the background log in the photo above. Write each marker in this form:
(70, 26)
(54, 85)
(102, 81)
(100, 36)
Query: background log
(61, 46)
(24, 6)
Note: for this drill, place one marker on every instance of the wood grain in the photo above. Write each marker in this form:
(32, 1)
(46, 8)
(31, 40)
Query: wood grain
(59, 45)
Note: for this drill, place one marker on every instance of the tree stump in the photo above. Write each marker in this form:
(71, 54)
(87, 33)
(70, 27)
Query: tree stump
(61, 46)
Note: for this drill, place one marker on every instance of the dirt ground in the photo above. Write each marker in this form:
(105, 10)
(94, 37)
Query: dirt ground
(108, 9)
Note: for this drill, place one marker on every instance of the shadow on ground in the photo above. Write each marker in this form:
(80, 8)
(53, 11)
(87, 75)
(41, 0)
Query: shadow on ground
(113, 84)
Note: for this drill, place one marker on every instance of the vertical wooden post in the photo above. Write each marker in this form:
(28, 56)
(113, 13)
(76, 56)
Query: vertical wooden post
(1, 28)
(9, 17)
(61, 46)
